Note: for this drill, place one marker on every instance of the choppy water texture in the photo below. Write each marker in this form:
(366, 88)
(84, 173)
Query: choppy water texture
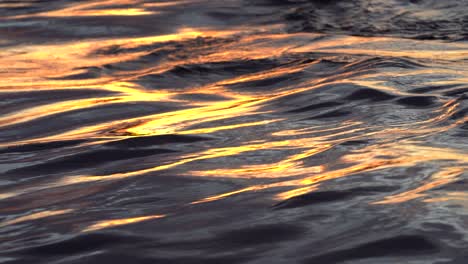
(233, 131)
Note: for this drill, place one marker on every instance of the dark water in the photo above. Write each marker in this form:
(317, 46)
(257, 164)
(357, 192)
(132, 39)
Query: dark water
(233, 131)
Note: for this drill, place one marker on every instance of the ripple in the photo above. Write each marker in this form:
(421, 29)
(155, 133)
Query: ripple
(233, 131)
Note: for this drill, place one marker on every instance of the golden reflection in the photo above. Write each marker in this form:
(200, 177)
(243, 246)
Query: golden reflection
(180, 121)
(296, 192)
(405, 156)
(132, 94)
(94, 8)
(368, 159)
(128, 94)
(119, 222)
(34, 216)
(287, 167)
(209, 154)
(456, 198)
(303, 184)
(66, 54)
(209, 130)
(224, 195)
(378, 46)
(112, 12)
(58, 60)
(98, 8)
(443, 177)
(55, 60)
(177, 121)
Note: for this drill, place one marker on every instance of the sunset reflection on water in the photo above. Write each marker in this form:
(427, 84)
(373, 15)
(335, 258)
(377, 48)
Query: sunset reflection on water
(184, 121)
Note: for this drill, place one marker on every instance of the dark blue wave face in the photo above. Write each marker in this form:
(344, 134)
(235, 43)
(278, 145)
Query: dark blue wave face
(238, 131)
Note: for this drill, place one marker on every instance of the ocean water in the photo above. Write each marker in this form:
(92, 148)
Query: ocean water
(234, 131)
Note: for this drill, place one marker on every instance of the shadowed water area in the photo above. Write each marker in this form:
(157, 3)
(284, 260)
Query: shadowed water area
(237, 131)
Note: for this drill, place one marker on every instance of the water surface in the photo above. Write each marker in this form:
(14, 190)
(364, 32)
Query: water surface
(233, 131)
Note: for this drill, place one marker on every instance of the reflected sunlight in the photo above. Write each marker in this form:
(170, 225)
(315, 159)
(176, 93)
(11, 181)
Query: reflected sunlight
(119, 222)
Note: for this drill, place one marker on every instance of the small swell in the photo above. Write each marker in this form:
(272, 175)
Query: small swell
(402, 245)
